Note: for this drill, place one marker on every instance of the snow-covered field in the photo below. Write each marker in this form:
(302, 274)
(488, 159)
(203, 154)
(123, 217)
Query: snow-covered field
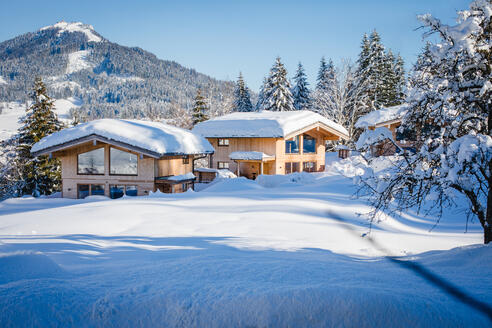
(239, 253)
(12, 112)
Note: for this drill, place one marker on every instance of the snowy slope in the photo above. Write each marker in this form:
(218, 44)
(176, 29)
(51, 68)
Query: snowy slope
(77, 61)
(240, 253)
(12, 112)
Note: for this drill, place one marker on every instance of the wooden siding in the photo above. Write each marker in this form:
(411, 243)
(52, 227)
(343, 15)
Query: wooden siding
(271, 146)
(172, 166)
(148, 167)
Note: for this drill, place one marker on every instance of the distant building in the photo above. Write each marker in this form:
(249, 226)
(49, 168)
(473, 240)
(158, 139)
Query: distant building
(254, 143)
(114, 157)
(390, 118)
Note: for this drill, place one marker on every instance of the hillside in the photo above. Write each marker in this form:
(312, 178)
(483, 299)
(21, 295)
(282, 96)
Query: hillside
(101, 78)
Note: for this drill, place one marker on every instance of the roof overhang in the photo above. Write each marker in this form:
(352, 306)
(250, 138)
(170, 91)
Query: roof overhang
(390, 122)
(320, 127)
(95, 137)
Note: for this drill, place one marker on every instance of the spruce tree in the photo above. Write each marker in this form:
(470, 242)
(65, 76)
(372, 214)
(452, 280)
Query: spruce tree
(277, 95)
(326, 92)
(200, 109)
(242, 98)
(41, 175)
(322, 71)
(261, 96)
(300, 91)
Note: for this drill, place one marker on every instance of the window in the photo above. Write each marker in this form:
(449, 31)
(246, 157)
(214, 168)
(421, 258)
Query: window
(122, 162)
(292, 145)
(84, 190)
(223, 165)
(186, 160)
(309, 144)
(291, 167)
(224, 142)
(117, 191)
(97, 190)
(91, 162)
(309, 166)
(131, 190)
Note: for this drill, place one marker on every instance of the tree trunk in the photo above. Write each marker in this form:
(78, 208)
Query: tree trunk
(487, 234)
(487, 226)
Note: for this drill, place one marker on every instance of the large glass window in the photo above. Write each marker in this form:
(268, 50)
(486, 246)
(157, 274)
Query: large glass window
(291, 167)
(122, 162)
(117, 191)
(309, 166)
(308, 144)
(97, 190)
(292, 145)
(91, 162)
(82, 191)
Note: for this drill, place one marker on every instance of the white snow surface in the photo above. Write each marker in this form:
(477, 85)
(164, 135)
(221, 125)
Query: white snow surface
(2, 80)
(70, 27)
(264, 253)
(381, 115)
(265, 124)
(152, 136)
(77, 61)
(249, 155)
(181, 177)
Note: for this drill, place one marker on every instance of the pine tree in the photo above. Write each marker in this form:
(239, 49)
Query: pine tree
(242, 98)
(277, 95)
(200, 109)
(322, 71)
(327, 92)
(300, 91)
(41, 175)
(261, 95)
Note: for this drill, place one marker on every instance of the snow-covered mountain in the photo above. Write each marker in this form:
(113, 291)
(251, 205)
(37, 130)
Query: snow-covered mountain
(103, 78)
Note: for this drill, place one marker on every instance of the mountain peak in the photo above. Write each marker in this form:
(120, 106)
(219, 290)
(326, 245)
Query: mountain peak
(70, 27)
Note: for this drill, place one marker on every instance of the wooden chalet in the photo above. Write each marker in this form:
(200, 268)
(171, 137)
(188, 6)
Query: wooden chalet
(113, 157)
(254, 143)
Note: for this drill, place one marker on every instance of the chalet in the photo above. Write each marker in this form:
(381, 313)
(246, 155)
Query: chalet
(254, 143)
(390, 118)
(114, 157)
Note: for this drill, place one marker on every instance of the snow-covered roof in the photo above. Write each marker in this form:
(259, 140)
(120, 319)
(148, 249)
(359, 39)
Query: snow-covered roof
(265, 124)
(181, 177)
(158, 139)
(381, 116)
(250, 156)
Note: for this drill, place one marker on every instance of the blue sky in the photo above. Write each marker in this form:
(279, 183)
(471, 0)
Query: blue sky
(221, 38)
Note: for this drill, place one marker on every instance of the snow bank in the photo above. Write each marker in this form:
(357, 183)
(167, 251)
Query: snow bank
(382, 115)
(295, 179)
(372, 137)
(263, 124)
(156, 137)
(232, 185)
(2, 80)
(66, 27)
(26, 265)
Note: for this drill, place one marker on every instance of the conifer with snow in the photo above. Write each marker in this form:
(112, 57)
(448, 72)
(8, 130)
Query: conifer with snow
(200, 109)
(300, 91)
(276, 93)
(242, 97)
(450, 110)
(40, 175)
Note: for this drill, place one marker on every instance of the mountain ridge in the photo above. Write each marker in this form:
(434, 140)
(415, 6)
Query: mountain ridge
(109, 79)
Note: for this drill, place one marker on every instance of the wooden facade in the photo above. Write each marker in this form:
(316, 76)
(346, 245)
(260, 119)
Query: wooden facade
(278, 160)
(149, 169)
